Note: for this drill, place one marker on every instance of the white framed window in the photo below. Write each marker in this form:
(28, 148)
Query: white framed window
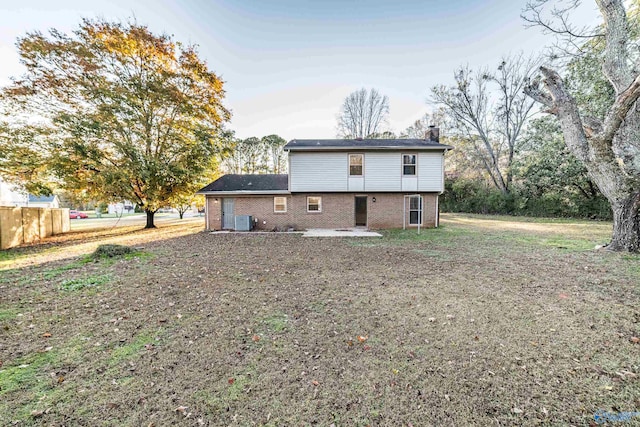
(279, 204)
(415, 210)
(356, 164)
(408, 164)
(314, 204)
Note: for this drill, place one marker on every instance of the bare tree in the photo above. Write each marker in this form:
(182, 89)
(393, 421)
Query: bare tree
(230, 154)
(556, 21)
(420, 127)
(276, 160)
(609, 147)
(363, 114)
(251, 149)
(252, 155)
(489, 110)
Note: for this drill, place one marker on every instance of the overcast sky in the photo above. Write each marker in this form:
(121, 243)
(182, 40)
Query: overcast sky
(289, 64)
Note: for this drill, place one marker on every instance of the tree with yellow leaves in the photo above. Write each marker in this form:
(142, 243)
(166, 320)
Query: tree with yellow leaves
(128, 114)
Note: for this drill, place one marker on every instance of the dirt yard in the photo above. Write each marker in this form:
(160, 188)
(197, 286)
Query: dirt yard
(484, 321)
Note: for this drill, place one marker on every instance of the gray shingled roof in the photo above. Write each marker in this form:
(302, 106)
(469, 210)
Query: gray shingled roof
(254, 183)
(364, 144)
(41, 199)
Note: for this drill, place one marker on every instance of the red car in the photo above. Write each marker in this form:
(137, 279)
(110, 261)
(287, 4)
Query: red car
(77, 215)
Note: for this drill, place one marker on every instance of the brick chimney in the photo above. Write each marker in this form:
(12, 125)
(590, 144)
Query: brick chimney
(433, 134)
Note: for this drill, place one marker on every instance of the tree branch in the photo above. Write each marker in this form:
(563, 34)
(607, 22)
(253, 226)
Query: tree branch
(619, 110)
(616, 66)
(534, 91)
(567, 113)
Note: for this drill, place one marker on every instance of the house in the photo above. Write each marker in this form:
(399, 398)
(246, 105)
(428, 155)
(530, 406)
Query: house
(121, 207)
(337, 183)
(10, 195)
(43, 201)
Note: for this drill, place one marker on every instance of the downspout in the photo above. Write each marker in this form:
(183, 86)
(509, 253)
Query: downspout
(441, 192)
(420, 212)
(289, 171)
(206, 213)
(404, 212)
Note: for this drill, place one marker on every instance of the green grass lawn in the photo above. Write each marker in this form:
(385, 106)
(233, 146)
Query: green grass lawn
(485, 320)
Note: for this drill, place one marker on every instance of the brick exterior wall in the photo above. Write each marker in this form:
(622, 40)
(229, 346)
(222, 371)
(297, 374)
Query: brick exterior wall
(213, 214)
(338, 211)
(387, 210)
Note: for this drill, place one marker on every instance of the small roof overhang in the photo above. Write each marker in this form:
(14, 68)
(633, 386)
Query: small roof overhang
(239, 184)
(242, 193)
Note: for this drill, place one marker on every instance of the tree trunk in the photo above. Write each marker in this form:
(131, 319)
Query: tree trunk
(181, 213)
(150, 215)
(626, 224)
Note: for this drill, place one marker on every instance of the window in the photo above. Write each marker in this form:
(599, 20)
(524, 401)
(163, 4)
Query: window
(314, 204)
(409, 164)
(279, 204)
(415, 210)
(355, 164)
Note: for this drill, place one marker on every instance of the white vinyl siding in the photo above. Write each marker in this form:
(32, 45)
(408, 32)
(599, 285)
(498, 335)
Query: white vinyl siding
(383, 172)
(318, 171)
(430, 172)
(409, 183)
(356, 183)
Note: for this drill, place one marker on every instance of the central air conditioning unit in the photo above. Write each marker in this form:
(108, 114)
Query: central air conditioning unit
(244, 222)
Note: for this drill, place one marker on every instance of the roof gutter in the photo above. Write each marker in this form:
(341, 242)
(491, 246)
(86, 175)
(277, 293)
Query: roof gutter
(380, 148)
(242, 193)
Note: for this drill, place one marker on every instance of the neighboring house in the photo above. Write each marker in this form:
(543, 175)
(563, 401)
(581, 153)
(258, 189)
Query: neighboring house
(43, 201)
(12, 196)
(120, 208)
(336, 183)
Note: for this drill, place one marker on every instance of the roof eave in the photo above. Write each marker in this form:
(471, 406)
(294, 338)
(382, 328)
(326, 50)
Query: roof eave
(242, 192)
(379, 148)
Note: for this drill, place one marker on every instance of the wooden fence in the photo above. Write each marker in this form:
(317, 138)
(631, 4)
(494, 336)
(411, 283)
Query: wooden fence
(28, 225)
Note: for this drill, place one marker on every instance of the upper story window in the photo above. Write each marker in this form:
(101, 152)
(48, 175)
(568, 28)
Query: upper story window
(314, 204)
(356, 163)
(279, 204)
(408, 164)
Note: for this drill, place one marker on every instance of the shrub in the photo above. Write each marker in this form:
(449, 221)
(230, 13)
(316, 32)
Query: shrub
(476, 196)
